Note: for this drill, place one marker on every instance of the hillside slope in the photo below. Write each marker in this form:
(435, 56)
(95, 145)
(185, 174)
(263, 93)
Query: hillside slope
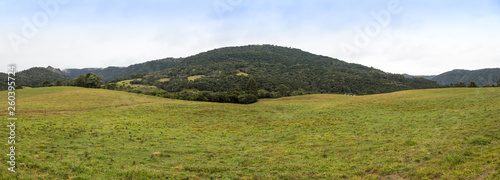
(34, 77)
(271, 66)
(114, 73)
(77, 133)
(480, 77)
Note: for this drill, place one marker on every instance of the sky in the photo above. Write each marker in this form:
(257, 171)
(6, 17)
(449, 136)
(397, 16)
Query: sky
(418, 37)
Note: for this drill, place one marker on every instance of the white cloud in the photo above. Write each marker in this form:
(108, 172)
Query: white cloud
(420, 40)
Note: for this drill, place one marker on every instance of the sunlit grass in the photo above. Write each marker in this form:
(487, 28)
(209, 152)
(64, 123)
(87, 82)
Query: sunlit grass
(192, 78)
(164, 80)
(241, 74)
(140, 87)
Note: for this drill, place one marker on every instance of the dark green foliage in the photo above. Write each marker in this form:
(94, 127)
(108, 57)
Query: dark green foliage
(234, 96)
(252, 87)
(283, 90)
(58, 83)
(271, 66)
(111, 86)
(264, 94)
(90, 80)
(461, 84)
(79, 81)
(472, 84)
(247, 99)
(498, 83)
(114, 73)
(34, 77)
(480, 77)
(3, 82)
(46, 83)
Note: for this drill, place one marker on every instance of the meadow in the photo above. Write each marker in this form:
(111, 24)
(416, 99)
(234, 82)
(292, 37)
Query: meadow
(143, 88)
(78, 133)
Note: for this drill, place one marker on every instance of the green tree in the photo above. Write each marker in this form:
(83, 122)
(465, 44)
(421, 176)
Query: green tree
(93, 80)
(79, 81)
(283, 90)
(58, 83)
(252, 86)
(46, 83)
(264, 94)
(498, 83)
(472, 84)
(461, 84)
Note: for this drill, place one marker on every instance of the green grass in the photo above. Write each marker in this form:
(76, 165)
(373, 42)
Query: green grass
(242, 74)
(76, 133)
(143, 88)
(164, 80)
(192, 78)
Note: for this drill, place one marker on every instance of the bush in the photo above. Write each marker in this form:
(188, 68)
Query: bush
(264, 94)
(247, 99)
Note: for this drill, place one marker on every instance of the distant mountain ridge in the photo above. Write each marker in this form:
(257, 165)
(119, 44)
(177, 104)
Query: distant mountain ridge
(112, 73)
(34, 77)
(481, 77)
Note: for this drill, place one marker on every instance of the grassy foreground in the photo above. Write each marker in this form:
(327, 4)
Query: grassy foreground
(76, 133)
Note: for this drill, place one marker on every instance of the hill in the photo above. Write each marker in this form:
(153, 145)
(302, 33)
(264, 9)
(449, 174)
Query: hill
(480, 77)
(34, 77)
(429, 77)
(271, 66)
(78, 133)
(114, 73)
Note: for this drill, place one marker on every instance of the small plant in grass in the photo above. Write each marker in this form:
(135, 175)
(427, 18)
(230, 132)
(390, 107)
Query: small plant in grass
(454, 159)
(410, 142)
(478, 140)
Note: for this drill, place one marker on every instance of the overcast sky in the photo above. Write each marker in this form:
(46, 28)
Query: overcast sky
(419, 37)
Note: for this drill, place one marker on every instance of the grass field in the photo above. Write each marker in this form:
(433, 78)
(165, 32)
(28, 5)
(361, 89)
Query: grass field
(192, 78)
(143, 88)
(164, 80)
(77, 133)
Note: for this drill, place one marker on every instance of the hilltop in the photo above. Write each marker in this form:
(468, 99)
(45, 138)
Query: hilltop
(34, 77)
(271, 66)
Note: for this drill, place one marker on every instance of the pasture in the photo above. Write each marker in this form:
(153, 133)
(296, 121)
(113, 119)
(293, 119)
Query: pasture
(78, 133)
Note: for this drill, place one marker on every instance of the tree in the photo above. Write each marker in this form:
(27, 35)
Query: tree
(79, 81)
(498, 83)
(252, 86)
(461, 84)
(111, 86)
(46, 83)
(264, 94)
(283, 90)
(92, 80)
(58, 83)
(473, 85)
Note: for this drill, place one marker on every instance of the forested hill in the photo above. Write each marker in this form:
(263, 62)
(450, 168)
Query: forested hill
(111, 73)
(35, 77)
(481, 77)
(273, 67)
